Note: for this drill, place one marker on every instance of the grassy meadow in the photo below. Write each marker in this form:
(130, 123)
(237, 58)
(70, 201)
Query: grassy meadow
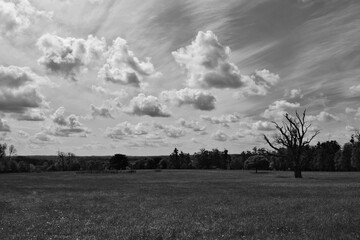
(180, 204)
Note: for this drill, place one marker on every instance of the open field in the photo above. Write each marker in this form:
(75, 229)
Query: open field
(185, 204)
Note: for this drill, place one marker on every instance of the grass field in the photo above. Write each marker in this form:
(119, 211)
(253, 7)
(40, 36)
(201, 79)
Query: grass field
(186, 204)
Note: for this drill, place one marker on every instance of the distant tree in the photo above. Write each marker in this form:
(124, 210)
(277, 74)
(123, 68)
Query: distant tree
(174, 159)
(355, 156)
(344, 162)
(325, 155)
(257, 162)
(119, 161)
(62, 160)
(291, 135)
(163, 164)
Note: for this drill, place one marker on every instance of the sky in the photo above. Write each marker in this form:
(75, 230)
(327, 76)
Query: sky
(99, 77)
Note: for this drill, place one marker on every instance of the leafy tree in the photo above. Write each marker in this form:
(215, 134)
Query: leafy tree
(119, 161)
(355, 156)
(291, 135)
(343, 163)
(257, 162)
(174, 159)
(325, 155)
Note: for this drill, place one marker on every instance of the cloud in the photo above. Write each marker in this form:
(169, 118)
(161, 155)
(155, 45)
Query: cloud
(350, 128)
(19, 90)
(100, 90)
(220, 136)
(67, 56)
(223, 119)
(23, 134)
(294, 94)
(259, 83)
(194, 125)
(278, 108)
(355, 90)
(326, 117)
(349, 110)
(147, 105)
(126, 129)
(4, 127)
(122, 67)
(102, 111)
(18, 15)
(263, 126)
(207, 63)
(171, 131)
(197, 98)
(30, 115)
(66, 126)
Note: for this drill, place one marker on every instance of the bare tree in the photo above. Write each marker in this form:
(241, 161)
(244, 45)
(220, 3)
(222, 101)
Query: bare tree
(291, 135)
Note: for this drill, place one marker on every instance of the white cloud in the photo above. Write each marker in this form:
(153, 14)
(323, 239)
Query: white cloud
(67, 56)
(126, 129)
(349, 110)
(294, 93)
(194, 125)
(171, 131)
(100, 90)
(147, 105)
(355, 89)
(263, 126)
(220, 136)
(23, 134)
(66, 126)
(350, 128)
(30, 115)
(208, 64)
(199, 99)
(18, 15)
(4, 127)
(278, 108)
(122, 67)
(326, 117)
(102, 111)
(19, 90)
(223, 119)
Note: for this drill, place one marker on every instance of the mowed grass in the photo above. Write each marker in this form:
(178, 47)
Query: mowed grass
(184, 204)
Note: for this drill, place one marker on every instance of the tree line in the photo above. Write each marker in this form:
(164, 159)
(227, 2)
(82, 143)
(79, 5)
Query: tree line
(291, 150)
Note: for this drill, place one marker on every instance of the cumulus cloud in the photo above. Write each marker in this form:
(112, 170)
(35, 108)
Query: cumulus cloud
(122, 67)
(220, 136)
(19, 90)
(67, 56)
(223, 119)
(259, 83)
(263, 126)
(23, 134)
(66, 126)
(350, 128)
(171, 131)
(199, 99)
(147, 105)
(207, 63)
(18, 15)
(278, 108)
(194, 125)
(102, 111)
(126, 129)
(141, 143)
(4, 127)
